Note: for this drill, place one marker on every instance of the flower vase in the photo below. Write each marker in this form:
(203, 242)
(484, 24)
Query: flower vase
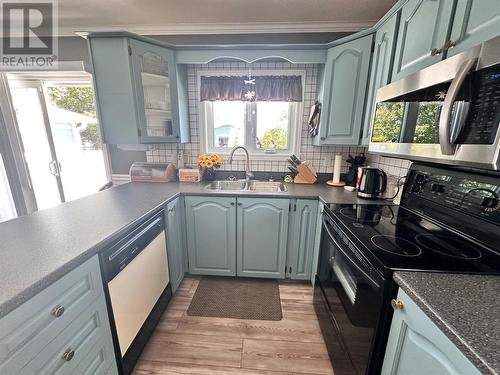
(208, 174)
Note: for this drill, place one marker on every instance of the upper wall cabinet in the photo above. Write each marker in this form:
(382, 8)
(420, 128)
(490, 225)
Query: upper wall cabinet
(141, 96)
(380, 72)
(422, 33)
(342, 93)
(475, 21)
(431, 30)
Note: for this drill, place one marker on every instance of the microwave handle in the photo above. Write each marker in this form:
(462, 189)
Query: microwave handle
(448, 148)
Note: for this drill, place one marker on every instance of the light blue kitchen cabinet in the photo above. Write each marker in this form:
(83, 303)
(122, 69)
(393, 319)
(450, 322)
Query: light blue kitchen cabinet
(475, 21)
(301, 237)
(380, 70)
(140, 92)
(423, 31)
(417, 346)
(299, 54)
(317, 242)
(96, 361)
(342, 92)
(175, 242)
(61, 329)
(211, 235)
(84, 341)
(262, 225)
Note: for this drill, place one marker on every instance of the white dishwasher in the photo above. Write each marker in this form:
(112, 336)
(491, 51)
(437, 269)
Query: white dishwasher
(136, 272)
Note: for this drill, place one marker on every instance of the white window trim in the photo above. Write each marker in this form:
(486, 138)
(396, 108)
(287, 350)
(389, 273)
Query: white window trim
(296, 116)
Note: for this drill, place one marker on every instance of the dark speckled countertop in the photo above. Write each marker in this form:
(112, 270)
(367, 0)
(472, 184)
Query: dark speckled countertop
(37, 249)
(465, 307)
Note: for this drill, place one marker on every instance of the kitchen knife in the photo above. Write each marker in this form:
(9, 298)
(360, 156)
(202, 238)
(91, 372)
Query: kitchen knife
(295, 159)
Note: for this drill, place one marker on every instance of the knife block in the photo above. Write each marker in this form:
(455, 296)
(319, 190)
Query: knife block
(305, 175)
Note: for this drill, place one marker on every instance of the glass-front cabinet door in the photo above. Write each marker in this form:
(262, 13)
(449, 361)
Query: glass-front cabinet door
(154, 78)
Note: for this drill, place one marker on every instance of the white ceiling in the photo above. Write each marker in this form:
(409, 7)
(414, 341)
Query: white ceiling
(160, 17)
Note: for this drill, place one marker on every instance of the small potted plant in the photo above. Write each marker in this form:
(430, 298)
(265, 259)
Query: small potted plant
(207, 164)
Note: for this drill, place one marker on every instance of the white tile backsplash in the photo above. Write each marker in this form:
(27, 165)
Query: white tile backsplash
(321, 158)
(391, 166)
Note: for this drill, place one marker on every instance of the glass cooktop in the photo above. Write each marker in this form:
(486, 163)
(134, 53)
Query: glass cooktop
(392, 237)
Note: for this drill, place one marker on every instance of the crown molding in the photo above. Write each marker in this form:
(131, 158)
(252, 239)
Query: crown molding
(228, 28)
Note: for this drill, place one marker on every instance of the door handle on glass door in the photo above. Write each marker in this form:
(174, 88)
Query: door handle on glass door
(53, 168)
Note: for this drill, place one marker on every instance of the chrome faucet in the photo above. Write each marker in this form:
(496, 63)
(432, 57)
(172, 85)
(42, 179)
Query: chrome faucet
(248, 173)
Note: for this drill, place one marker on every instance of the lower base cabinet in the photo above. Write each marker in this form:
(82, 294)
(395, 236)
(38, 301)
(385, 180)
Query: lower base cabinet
(251, 237)
(262, 227)
(211, 235)
(301, 238)
(175, 242)
(417, 346)
(64, 329)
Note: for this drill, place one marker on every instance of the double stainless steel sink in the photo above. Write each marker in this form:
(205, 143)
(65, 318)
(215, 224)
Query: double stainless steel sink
(243, 185)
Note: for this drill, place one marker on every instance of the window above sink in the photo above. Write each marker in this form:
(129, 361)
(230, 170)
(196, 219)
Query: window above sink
(268, 129)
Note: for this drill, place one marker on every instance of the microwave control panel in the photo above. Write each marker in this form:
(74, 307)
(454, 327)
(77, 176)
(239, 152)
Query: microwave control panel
(484, 107)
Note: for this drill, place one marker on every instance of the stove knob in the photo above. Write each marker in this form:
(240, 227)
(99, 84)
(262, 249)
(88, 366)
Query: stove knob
(490, 204)
(420, 178)
(438, 188)
(415, 188)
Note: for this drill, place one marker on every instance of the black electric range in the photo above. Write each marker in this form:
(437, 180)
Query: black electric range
(394, 238)
(448, 221)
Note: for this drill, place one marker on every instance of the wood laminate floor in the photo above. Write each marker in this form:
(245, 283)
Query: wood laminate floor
(185, 344)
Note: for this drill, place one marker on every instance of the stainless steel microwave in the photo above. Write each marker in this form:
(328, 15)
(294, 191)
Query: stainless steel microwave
(447, 113)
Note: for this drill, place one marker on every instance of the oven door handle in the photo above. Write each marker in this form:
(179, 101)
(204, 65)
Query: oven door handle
(447, 147)
(353, 262)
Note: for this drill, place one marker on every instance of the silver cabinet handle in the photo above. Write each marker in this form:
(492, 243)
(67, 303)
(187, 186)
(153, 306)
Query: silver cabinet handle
(436, 51)
(57, 311)
(68, 355)
(397, 304)
(449, 44)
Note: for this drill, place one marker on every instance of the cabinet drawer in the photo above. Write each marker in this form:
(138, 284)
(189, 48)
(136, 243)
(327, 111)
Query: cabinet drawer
(74, 345)
(28, 329)
(112, 370)
(100, 360)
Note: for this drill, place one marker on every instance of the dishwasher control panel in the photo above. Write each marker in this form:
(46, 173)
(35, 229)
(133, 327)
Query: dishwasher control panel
(121, 253)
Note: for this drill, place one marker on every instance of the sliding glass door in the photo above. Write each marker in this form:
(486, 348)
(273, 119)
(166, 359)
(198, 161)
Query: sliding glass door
(60, 139)
(76, 137)
(7, 207)
(39, 153)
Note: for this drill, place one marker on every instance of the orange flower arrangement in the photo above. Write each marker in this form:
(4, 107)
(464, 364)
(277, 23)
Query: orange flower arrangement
(210, 161)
